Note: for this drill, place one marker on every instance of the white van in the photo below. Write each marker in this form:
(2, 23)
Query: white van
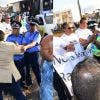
(46, 22)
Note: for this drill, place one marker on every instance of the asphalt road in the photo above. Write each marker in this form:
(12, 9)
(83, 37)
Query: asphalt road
(34, 95)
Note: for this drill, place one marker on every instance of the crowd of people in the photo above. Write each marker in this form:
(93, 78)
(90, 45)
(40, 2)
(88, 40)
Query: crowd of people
(29, 43)
(66, 43)
(21, 45)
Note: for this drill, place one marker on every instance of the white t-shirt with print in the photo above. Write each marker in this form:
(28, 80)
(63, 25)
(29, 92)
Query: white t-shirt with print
(83, 33)
(70, 38)
(58, 45)
(60, 42)
(7, 28)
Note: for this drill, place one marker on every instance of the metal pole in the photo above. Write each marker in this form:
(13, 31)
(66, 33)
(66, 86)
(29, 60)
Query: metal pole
(51, 2)
(41, 6)
(79, 7)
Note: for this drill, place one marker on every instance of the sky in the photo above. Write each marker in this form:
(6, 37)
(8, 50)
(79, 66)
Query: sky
(86, 6)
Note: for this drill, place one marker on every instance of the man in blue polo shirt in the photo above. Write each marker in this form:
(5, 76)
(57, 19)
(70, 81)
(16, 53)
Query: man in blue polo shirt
(17, 38)
(31, 41)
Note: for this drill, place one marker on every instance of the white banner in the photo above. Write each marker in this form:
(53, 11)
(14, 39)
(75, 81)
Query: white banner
(64, 64)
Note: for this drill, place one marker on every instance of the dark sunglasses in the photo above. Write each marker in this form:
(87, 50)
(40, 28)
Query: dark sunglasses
(71, 27)
(8, 18)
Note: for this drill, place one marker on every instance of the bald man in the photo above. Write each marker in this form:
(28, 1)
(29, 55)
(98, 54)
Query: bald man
(46, 89)
(47, 48)
(86, 80)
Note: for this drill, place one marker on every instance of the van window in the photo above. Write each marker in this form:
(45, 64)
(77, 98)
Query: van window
(49, 19)
(41, 21)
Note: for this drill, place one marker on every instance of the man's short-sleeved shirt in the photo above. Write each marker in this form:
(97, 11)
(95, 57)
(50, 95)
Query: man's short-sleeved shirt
(70, 38)
(16, 39)
(32, 37)
(83, 33)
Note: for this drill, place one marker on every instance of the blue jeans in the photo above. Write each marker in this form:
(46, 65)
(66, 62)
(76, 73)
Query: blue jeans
(46, 88)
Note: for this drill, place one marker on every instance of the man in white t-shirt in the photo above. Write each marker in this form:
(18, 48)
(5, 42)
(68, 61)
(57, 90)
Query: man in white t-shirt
(63, 47)
(6, 25)
(85, 35)
(69, 36)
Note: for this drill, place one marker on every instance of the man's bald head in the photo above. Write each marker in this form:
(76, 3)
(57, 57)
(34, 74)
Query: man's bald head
(47, 47)
(47, 40)
(86, 80)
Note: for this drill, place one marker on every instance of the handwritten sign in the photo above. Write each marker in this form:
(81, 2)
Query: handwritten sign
(64, 64)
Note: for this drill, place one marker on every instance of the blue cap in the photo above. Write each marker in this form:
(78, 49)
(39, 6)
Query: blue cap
(15, 24)
(33, 21)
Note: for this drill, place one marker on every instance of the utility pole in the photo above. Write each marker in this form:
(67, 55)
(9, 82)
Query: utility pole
(51, 4)
(41, 6)
(79, 7)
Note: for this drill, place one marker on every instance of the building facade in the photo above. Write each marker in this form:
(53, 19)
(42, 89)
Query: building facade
(63, 16)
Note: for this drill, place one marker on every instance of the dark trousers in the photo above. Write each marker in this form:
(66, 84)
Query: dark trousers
(97, 58)
(32, 61)
(20, 66)
(14, 88)
(60, 87)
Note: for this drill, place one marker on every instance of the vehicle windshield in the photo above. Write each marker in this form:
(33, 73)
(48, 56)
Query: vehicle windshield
(49, 19)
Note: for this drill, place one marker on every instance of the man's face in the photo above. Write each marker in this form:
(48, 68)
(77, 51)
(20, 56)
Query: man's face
(32, 27)
(7, 19)
(69, 29)
(83, 25)
(47, 48)
(15, 31)
(18, 18)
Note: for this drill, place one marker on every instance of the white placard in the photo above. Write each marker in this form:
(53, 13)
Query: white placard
(64, 64)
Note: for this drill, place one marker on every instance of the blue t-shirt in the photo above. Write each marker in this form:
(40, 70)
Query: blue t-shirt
(29, 38)
(16, 39)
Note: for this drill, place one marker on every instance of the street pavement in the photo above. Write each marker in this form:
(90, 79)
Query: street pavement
(34, 95)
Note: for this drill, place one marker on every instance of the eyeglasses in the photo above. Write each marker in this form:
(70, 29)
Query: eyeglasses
(70, 27)
(8, 18)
